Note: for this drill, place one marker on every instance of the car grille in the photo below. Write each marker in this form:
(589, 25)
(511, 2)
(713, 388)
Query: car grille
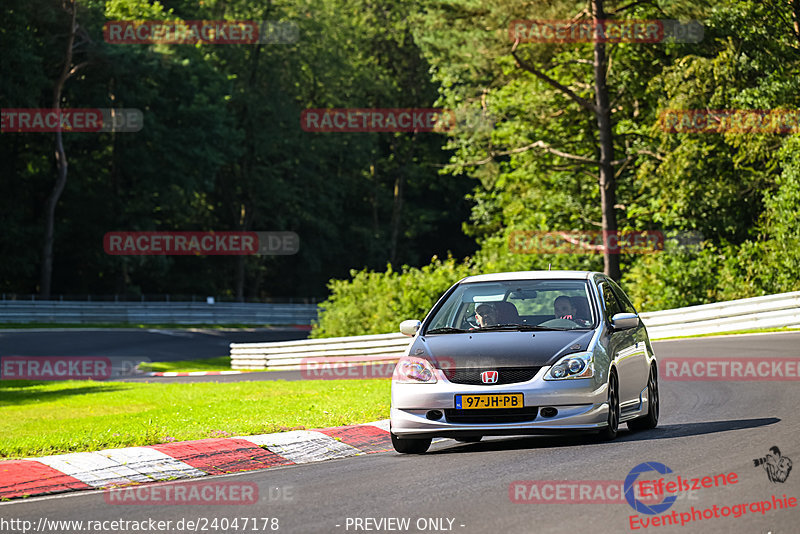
(506, 375)
(492, 416)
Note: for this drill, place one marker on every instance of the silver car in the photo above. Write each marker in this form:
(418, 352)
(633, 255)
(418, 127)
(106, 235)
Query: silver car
(531, 352)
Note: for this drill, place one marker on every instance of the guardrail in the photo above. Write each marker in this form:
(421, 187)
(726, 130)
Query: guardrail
(771, 311)
(156, 297)
(71, 312)
(289, 355)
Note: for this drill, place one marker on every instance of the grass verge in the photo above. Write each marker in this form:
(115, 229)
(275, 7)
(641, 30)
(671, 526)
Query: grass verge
(733, 333)
(220, 363)
(41, 418)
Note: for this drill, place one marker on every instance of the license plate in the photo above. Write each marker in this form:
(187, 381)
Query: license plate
(486, 401)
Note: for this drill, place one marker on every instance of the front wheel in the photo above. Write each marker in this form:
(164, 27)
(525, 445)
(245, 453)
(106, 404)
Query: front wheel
(610, 431)
(410, 446)
(646, 422)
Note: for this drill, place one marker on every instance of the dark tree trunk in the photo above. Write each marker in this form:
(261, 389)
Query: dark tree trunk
(249, 162)
(607, 181)
(397, 212)
(240, 275)
(61, 166)
(245, 220)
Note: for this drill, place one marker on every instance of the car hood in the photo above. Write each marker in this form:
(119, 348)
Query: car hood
(499, 349)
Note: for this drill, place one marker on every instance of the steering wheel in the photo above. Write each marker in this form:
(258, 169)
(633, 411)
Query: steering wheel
(559, 323)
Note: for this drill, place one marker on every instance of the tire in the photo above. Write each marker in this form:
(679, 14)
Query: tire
(610, 432)
(411, 446)
(473, 439)
(649, 421)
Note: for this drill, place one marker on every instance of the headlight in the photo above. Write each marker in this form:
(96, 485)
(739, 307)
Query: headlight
(412, 370)
(578, 365)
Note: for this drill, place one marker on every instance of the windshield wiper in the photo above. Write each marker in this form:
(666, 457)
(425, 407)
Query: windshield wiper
(520, 327)
(446, 330)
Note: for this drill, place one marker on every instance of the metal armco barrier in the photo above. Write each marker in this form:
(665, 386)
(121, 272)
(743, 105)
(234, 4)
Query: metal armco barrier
(73, 312)
(771, 311)
(290, 354)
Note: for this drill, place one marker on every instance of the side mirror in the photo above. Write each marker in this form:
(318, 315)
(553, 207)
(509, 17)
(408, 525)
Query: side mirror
(410, 327)
(625, 321)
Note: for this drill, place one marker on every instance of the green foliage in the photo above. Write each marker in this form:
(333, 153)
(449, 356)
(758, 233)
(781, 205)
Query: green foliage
(663, 281)
(375, 302)
(741, 192)
(771, 261)
(222, 149)
(766, 263)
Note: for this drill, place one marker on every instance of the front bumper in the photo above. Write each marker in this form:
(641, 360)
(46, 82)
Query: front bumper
(581, 405)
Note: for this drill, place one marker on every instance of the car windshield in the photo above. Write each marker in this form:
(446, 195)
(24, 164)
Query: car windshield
(515, 305)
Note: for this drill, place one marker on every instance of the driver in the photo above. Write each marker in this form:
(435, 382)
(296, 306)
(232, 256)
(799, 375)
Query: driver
(563, 308)
(486, 315)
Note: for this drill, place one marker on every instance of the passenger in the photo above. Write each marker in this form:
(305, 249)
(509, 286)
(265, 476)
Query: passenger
(486, 315)
(563, 308)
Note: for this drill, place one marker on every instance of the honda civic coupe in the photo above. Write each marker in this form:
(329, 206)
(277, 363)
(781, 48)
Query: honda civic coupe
(531, 352)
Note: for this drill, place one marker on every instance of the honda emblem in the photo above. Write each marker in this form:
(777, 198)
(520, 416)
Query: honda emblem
(489, 377)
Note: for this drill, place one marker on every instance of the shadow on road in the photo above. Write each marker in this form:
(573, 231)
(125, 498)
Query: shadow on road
(660, 432)
(21, 392)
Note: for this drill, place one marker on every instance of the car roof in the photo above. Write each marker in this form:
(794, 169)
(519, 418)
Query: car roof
(531, 275)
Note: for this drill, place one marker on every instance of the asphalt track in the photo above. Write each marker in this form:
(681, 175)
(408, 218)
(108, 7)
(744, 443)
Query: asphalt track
(706, 428)
(157, 345)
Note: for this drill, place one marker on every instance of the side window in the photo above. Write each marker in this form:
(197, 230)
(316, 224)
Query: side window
(446, 316)
(610, 303)
(623, 299)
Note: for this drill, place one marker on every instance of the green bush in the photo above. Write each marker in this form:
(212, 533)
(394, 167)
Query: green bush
(375, 303)
(765, 264)
(775, 263)
(666, 280)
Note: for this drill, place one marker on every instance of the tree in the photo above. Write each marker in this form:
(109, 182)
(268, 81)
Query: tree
(68, 70)
(602, 111)
(559, 116)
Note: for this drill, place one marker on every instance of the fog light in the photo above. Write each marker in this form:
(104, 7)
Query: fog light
(434, 415)
(549, 412)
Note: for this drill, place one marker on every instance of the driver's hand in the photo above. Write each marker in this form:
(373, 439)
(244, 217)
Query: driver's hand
(566, 317)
